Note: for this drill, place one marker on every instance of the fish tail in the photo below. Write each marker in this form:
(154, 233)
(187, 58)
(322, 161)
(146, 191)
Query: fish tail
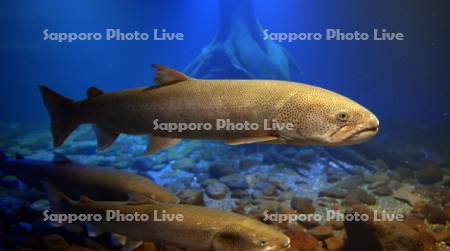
(58, 200)
(61, 111)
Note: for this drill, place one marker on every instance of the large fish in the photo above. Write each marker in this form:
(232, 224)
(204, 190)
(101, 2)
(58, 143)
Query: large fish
(302, 114)
(76, 180)
(192, 227)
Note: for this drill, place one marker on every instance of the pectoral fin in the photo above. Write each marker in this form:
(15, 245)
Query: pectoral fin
(105, 138)
(250, 140)
(157, 143)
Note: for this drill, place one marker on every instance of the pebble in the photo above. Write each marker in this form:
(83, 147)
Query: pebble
(183, 164)
(302, 241)
(216, 190)
(357, 196)
(430, 175)
(335, 243)
(321, 232)
(405, 193)
(191, 197)
(303, 205)
(332, 193)
(220, 169)
(9, 181)
(40, 205)
(383, 191)
(350, 182)
(235, 181)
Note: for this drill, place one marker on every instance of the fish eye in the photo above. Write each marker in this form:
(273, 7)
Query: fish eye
(343, 116)
(262, 242)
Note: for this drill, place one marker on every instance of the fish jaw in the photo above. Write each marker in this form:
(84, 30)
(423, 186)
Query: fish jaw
(351, 135)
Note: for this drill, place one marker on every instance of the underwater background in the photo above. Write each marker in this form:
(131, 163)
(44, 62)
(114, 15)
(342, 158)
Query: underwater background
(404, 169)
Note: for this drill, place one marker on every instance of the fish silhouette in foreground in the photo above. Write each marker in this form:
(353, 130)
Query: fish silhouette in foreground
(195, 228)
(76, 180)
(283, 112)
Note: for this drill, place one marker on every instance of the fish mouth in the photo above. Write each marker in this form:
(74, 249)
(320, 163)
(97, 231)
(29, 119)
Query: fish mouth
(347, 136)
(362, 135)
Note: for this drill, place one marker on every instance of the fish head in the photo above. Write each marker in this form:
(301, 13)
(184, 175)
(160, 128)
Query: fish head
(322, 117)
(258, 237)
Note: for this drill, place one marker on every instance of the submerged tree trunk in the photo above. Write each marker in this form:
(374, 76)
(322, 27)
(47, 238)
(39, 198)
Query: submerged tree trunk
(238, 49)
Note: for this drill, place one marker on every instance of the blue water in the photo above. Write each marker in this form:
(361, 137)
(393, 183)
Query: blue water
(403, 80)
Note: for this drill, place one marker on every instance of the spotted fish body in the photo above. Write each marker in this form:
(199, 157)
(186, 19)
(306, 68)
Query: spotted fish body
(195, 228)
(318, 116)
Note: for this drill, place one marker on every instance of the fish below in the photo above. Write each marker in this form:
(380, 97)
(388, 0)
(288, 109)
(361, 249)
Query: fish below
(299, 114)
(192, 227)
(75, 179)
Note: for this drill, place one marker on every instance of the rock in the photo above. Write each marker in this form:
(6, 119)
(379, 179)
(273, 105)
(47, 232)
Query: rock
(303, 205)
(405, 193)
(441, 235)
(377, 184)
(332, 193)
(235, 181)
(55, 242)
(321, 232)
(331, 178)
(383, 235)
(83, 150)
(141, 164)
(10, 206)
(239, 194)
(309, 223)
(302, 241)
(383, 191)
(430, 175)
(191, 197)
(350, 182)
(40, 205)
(336, 224)
(183, 164)
(432, 213)
(216, 190)
(335, 243)
(307, 156)
(11, 182)
(220, 169)
(376, 178)
(357, 196)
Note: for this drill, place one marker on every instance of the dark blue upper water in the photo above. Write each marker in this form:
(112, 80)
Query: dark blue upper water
(403, 80)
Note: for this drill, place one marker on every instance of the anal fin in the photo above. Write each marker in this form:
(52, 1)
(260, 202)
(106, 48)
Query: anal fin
(250, 140)
(105, 138)
(157, 143)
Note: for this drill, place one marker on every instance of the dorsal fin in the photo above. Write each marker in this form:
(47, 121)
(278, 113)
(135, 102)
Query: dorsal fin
(93, 92)
(167, 76)
(59, 158)
(85, 199)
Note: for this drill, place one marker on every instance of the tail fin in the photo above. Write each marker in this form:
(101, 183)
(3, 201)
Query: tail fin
(57, 199)
(61, 113)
